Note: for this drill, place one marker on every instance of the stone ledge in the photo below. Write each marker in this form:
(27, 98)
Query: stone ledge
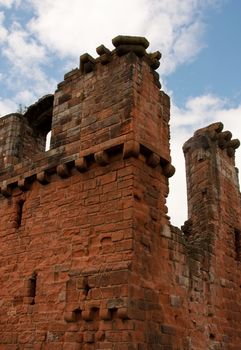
(101, 154)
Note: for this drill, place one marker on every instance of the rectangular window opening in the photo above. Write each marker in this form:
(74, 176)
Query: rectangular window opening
(237, 244)
(32, 283)
(48, 141)
(19, 212)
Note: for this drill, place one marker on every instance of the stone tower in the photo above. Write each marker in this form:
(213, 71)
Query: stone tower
(89, 259)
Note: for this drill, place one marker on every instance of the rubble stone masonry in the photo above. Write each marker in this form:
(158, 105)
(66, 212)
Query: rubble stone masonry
(89, 259)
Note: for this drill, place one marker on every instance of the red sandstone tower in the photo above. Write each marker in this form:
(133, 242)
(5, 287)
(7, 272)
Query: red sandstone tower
(89, 259)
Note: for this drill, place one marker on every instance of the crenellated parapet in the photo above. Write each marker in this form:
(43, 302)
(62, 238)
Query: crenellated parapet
(212, 137)
(106, 98)
(109, 105)
(209, 154)
(123, 45)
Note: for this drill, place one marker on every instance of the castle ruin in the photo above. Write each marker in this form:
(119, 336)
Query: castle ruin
(89, 259)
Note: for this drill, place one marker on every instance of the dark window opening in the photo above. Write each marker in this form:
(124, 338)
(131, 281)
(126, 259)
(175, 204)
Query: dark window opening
(77, 315)
(19, 212)
(32, 287)
(237, 244)
(113, 313)
(87, 288)
(95, 313)
(39, 116)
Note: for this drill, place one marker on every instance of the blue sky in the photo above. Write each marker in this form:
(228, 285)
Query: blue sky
(215, 69)
(41, 40)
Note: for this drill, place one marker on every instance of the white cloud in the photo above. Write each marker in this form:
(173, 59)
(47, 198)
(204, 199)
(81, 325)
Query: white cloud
(176, 27)
(27, 58)
(57, 28)
(22, 50)
(6, 3)
(188, 45)
(9, 3)
(198, 112)
(3, 30)
(7, 106)
(84, 25)
(26, 96)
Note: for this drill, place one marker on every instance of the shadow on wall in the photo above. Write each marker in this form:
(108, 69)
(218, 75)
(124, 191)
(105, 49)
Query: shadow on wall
(39, 116)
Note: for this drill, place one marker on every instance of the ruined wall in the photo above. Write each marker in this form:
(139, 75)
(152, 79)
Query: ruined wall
(89, 259)
(214, 228)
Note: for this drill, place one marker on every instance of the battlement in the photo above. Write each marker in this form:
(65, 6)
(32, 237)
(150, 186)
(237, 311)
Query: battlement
(213, 137)
(108, 99)
(102, 108)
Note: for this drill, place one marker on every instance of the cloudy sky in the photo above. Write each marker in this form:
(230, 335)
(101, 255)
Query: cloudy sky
(200, 41)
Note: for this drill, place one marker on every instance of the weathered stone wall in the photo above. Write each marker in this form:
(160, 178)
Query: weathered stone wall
(214, 232)
(89, 259)
(18, 140)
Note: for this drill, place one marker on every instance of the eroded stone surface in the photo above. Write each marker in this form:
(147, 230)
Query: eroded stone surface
(89, 259)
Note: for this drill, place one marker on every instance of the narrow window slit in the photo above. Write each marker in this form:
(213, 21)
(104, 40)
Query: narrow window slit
(237, 244)
(87, 288)
(48, 141)
(20, 205)
(32, 283)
